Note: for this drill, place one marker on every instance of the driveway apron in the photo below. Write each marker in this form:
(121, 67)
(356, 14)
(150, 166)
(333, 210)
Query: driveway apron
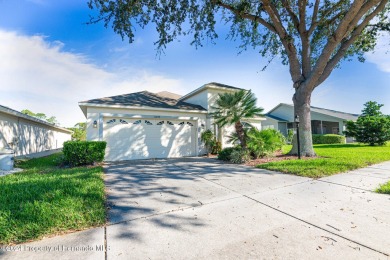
(202, 208)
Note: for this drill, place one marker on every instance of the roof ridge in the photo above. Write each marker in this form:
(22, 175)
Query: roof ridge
(84, 101)
(143, 99)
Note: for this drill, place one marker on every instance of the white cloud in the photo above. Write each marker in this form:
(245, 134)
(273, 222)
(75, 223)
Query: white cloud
(40, 76)
(381, 54)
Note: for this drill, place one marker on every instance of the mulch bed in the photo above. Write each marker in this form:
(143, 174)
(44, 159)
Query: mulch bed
(278, 156)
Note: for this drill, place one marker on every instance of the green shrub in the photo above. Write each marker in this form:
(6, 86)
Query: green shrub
(265, 142)
(225, 154)
(317, 139)
(372, 126)
(208, 139)
(328, 139)
(83, 152)
(333, 139)
(239, 156)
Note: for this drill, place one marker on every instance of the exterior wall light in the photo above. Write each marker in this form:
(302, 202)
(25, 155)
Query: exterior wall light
(95, 124)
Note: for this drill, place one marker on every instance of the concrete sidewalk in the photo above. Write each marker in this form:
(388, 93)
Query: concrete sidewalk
(200, 208)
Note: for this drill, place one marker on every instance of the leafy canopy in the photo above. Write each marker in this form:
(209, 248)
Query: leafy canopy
(42, 116)
(79, 131)
(372, 127)
(311, 36)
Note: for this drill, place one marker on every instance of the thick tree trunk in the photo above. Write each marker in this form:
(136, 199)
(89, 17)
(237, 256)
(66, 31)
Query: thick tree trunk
(302, 109)
(241, 134)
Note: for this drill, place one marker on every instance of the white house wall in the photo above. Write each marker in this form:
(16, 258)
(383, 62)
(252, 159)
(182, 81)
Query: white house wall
(200, 99)
(207, 98)
(28, 137)
(229, 130)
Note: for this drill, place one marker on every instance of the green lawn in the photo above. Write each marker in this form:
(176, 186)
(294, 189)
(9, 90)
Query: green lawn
(336, 158)
(384, 188)
(44, 200)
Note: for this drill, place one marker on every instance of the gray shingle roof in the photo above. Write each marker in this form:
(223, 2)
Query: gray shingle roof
(145, 99)
(324, 111)
(334, 113)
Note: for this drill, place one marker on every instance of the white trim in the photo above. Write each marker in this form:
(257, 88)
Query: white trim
(255, 119)
(18, 114)
(144, 108)
(205, 87)
(147, 116)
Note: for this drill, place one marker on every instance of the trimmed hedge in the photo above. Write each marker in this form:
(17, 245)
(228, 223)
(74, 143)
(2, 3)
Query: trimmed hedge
(328, 139)
(83, 152)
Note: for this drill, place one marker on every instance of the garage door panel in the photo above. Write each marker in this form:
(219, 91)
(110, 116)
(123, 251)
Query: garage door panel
(146, 138)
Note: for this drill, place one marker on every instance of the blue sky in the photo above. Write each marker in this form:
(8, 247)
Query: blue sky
(51, 59)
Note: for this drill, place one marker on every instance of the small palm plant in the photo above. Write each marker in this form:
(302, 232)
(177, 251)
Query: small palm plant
(232, 108)
(209, 140)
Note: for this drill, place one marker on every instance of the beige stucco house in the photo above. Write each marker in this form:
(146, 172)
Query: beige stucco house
(146, 125)
(27, 135)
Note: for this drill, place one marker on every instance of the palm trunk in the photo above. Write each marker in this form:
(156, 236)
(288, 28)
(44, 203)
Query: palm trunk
(241, 134)
(302, 109)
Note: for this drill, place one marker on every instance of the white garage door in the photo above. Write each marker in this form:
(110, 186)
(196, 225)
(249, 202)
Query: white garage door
(136, 138)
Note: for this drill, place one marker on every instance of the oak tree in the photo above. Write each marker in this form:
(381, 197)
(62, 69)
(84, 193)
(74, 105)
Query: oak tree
(312, 37)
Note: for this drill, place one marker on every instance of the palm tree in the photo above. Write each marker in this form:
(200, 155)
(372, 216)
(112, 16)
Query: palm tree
(231, 108)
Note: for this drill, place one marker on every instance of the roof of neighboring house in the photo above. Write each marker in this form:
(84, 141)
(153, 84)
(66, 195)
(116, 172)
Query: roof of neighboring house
(212, 85)
(143, 99)
(334, 113)
(325, 111)
(168, 94)
(276, 118)
(16, 113)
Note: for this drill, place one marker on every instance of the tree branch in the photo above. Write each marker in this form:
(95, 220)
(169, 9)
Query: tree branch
(348, 42)
(302, 15)
(306, 51)
(291, 13)
(294, 65)
(251, 17)
(336, 38)
(314, 22)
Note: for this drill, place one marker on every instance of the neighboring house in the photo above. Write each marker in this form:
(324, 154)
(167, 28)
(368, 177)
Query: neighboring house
(28, 135)
(145, 125)
(323, 121)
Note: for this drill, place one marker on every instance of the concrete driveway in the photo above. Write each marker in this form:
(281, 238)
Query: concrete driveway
(200, 208)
